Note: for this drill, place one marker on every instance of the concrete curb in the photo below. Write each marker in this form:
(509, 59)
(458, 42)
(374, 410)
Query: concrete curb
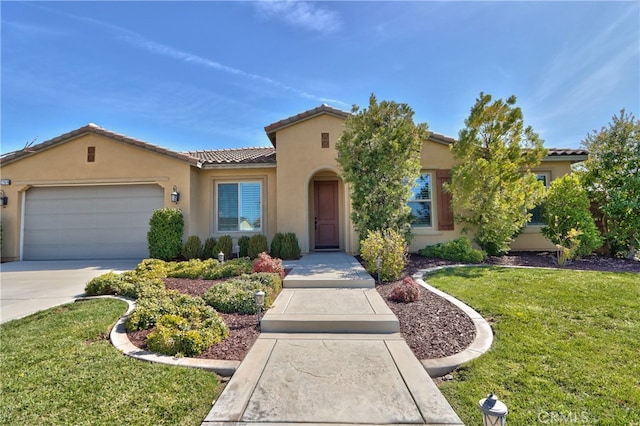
(120, 340)
(438, 367)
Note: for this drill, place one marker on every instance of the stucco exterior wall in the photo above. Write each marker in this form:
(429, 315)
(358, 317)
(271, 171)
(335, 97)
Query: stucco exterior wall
(300, 158)
(66, 164)
(205, 199)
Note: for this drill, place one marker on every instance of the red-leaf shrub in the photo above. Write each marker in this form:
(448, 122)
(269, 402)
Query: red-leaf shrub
(265, 263)
(406, 291)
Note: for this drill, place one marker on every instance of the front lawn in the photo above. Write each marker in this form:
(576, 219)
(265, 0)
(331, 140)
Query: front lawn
(566, 348)
(58, 367)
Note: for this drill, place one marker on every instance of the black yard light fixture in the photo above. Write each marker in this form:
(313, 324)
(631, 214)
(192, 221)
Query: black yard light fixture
(175, 195)
(259, 298)
(494, 412)
(4, 200)
(378, 266)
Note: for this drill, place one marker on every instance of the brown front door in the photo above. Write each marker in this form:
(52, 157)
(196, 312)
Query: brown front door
(326, 214)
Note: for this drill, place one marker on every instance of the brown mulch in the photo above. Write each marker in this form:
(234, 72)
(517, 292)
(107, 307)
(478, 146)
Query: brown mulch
(432, 327)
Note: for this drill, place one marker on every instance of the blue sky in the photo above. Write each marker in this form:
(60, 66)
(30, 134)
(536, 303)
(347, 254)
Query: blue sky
(208, 75)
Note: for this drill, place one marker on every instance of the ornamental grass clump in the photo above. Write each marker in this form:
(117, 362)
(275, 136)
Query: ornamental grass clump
(406, 291)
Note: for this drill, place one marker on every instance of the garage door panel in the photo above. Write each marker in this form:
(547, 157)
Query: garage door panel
(89, 222)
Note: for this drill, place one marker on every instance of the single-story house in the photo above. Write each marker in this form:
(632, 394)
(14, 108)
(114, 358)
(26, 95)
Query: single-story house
(90, 193)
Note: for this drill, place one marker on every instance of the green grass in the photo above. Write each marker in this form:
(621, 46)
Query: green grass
(58, 367)
(566, 345)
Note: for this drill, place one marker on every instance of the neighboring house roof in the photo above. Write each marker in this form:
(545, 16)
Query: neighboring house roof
(258, 155)
(95, 129)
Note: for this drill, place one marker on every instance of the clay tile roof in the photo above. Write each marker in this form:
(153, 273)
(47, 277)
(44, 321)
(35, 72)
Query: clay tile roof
(95, 129)
(258, 155)
(556, 152)
(272, 128)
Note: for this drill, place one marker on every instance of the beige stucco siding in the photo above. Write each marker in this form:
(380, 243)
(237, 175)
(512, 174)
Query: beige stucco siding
(300, 158)
(66, 164)
(205, 199)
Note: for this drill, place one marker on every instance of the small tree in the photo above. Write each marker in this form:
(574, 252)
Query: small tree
(164, 238)
(567, 215)
(612, 179)
(379, 153)
(492, 185)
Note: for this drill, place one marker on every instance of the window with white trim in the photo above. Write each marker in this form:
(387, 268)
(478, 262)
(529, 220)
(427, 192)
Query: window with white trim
(420, 202)
(536, 212)
(239, 206)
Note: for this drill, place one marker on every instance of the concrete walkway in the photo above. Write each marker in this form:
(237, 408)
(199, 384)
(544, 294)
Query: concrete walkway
(330, 353)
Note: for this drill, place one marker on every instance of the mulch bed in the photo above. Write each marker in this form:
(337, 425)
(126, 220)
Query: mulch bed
(432, 327)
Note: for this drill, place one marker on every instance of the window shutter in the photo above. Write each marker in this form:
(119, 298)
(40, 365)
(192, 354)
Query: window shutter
(445, 212)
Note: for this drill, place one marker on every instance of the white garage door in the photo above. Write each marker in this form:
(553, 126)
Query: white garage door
(89, 222)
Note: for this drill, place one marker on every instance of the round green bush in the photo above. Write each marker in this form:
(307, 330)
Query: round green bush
(257, 244)
(193, 248)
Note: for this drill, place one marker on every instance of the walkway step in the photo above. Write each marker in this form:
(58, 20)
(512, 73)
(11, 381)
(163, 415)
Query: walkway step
(328, 270)
(329, 311)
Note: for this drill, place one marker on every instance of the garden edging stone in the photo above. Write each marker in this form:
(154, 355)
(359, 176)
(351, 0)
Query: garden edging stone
(439, 367)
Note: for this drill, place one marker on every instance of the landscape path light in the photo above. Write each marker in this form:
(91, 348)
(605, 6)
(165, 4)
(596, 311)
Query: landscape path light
(494, 412)
(221, 257)
(378, 266)
(259, 298)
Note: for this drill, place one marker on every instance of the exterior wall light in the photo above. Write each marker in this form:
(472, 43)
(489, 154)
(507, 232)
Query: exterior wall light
(259, 298)
(221, 257)
(494, 412)
(175, 195)
(4, 200)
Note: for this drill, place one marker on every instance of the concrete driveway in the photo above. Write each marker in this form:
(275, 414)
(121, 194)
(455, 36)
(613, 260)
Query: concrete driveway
(31, 286)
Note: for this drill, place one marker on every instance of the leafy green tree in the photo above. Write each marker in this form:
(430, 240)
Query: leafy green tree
(612, 179)
(492, 185)
(567, 208)
(379, 153)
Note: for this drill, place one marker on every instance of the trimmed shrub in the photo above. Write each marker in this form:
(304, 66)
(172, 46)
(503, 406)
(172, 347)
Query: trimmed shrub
(174, 335)
(406, 291)
(192, 249)
(231, 268)
(192, 269)
(458, 250)
(265, 263)
(388, 245)
(152, 268)
(235, 295)
(290, 248)
(164, 238)
(170, 302)
(257, 245)
(276, 245)
(243, 243)
(127, 284)
(224, 245)
(270, 283)
(208, 252)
